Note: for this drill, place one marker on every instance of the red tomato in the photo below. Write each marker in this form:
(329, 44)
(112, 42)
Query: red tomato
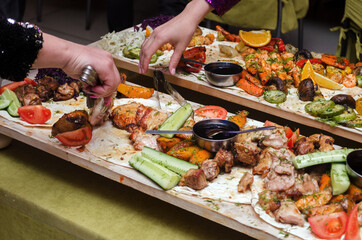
(211, 112)
(34, 114)
(288, 132)
(293, 139)
(329, 226)
(352, 230)
(77, 137)
(12, 86)
(269, 123)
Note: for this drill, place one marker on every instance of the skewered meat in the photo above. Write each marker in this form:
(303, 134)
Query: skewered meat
(149, 118)
(101, 110)
(276, 182)
(274, 138)
(265, 162)
(64, 92)
(304, 185)
(325, 209)
(194, 178)
(245, 182)
(124, 115)
(210, 168)
(31, 99)
(322, 142)
(289, 213)
(225, 159)
(22, 92)
(50, 83)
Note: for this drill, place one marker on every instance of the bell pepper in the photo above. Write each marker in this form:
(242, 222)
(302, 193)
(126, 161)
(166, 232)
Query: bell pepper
(197, 54)
(14, 85)
(274, 44)
(301, 62)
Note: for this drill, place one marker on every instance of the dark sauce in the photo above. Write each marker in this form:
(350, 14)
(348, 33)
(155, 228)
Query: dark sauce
(355, 161)
(220, 136)
(224, 71)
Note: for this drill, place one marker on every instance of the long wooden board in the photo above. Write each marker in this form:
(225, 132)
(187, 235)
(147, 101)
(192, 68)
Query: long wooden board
(236, 95)
(240, 217)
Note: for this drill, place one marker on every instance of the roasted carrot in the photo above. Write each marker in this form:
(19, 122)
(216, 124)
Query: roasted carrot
(249, 87)
(251, 78)
(239, 118)
(264, 77)
(324, 210)
(211, 37)
(345, 200)
(359, 64)
(325, 182)
(335, 61)
(252, 69)
(167, 143)
(182, 144)
(184, 153)
(313, 200)
(355, 193)
(200, 156)
(185, 136)
(135, 91)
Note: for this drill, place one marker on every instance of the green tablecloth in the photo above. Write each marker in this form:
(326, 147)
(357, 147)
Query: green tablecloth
(44, 197)
(261, 14)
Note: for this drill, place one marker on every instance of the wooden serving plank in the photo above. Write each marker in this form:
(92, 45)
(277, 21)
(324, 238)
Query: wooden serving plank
(235, 95)
(241, 218)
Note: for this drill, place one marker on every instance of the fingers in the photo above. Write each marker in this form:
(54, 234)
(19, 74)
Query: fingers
(175, 58)
(110, 78)
(148, 48)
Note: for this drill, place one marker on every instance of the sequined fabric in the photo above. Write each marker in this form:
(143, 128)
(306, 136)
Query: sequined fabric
(19, 47)
(222, 6)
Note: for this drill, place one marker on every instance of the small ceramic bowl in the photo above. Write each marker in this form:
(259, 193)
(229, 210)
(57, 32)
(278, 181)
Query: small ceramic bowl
(201, 129)
(354, 167)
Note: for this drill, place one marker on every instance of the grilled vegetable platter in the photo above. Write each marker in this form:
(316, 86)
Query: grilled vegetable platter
(269, 184)
(277, 78)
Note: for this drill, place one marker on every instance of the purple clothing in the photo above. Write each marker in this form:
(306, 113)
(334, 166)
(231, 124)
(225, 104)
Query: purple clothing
(222, 6)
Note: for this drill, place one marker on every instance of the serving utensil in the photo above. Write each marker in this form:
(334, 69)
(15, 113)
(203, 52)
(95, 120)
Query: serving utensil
(210, 133)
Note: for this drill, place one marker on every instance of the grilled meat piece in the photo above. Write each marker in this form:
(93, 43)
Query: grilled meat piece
(246, 152)
(210, 168)
(149, 118)
(325, 209)
(303, 146)
(24, 90)
(304, 185)
(31, 99)
(77, 86)
(245, 182)
(289, 213)
(270, 200)
(225, 159)
(141, 139)
(265, 162)
(278, 183)
(70, 122)
(274, 138)
(64, 92)
(194, 178)
(322, 142)
(50, 83)
(124, 115)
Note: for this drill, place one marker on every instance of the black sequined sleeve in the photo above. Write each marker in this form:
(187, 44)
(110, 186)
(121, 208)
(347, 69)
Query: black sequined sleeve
(19, 47)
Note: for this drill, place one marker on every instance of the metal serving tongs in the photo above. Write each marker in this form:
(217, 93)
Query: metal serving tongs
(98, 106)
(159, 77)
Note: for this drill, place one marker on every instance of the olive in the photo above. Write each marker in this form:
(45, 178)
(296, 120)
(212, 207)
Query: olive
(306, 90)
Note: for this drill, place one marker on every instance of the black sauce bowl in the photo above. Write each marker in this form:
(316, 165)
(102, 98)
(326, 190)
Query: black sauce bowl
(354, 167)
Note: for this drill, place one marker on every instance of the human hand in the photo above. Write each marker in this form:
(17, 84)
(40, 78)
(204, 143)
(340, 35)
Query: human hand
(178, 32)
(101, 61)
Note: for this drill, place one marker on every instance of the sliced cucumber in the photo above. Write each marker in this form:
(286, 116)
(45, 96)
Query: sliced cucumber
(334, 111)
(176, 120)
(172, 163)
(159, 174)
(346, 116)
(135, 52)
(13, 110)
(275, 96)
(10, 95)
(310, 159)
(154, 58)
(315, 108)
(4, 103)
(339, 178)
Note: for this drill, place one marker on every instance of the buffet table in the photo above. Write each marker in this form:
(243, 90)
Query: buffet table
(45, 197)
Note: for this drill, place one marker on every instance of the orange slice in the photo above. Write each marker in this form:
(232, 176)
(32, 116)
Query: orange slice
(325, 82)
(255, 38)
(308, 72)
(359, 106)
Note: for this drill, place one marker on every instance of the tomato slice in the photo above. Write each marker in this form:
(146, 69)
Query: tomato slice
(293, 139)
(352, 230)
(211, 112)
(288, 132)
(77, 137)
(34, 114)
(329, 226)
